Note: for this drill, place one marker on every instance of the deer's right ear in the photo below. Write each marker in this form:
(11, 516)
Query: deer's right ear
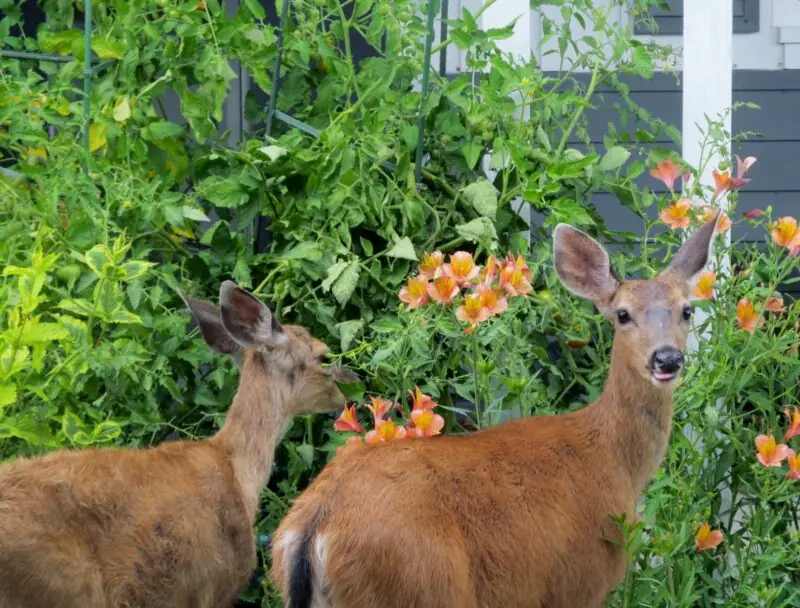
(247, 319)
(583, 265)
(208, 319)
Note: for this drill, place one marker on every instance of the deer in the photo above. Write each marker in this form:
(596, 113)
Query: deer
(170, 525)
(524, 514)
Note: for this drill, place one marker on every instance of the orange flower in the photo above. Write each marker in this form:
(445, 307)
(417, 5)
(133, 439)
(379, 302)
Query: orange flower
(461, 267)
(722, 182)
(348, 421)
(794, 466)
(704, 290)
(421, 401)
(443, 289)
(747, 317)
(773, 304)
(379, 408)
(723, 225)
(201, 6)
(794, 423)
(770, 454)
(742, 166)
(667, 171)
(386, 431)
(426, 423)
(489, 272)
(706, 538)
(415, 293)
(794, 245)
(785, 231)
(515, 277)
(431, 263)
(471, 310)
(491, 299)
(676, 215)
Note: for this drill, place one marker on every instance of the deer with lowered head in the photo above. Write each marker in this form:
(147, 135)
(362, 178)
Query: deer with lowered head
(169, 526)
(520, 515)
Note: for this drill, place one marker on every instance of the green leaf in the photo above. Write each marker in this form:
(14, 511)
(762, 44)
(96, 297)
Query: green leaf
(60, 42)
(302, 251)
(614, 158)
(353, 391)
(42, 332)
(194, 213)
(99, 259)
(642, 62)
(107, 49)
(334, 272)
(480, 229)
(472, 152)
(161, 129)
(122, 109)
(134, 292)
(403, 249)
(135, 270)
(482, 195)
(344, 286)
(97, 136)
(106, 431)
(8, 394)
(224, 192)
(255, 8)
(306, 451)
(120, 315)
(80, 307)
(348, 330)
(273, 152)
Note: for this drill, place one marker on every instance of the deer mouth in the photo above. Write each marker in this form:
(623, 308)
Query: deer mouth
(664, 377)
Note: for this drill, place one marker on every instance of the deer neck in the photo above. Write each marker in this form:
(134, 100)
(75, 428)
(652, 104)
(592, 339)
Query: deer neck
(256, 422)
(635, 419)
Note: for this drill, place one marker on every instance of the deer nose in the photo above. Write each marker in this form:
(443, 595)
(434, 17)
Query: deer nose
(667, 359)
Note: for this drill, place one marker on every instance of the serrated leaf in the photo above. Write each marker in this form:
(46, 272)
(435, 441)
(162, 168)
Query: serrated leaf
(303, 251)
(273, 152)
(98, 259)
(134, 292)
(107, 49)
(80, 307)
(642, 62)
(106, 431)
(482, 195)
(42, 332)
(614, 158)
(193, 213)
(348, 330)
(352, 391)
(306, 451)
(479, 229)
(224, 192)
(346, 284)
(122, 109)
(334, 271)
(162, 129)
(255, 8)
(120, 315)
(97, 136)
(403, 249)
(8, 394)
(472, 152)
(134, 270)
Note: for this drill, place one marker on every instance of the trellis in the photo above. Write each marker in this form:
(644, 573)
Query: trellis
(273, 113)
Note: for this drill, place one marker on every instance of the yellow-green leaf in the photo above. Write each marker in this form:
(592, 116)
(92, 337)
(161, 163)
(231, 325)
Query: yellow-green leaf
(107, 49)
(8, 394)
(122, 109)
(42, 332)
(97, 137)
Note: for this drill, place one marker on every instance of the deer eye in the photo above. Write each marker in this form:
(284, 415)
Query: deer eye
(687, 312)
(623, 316)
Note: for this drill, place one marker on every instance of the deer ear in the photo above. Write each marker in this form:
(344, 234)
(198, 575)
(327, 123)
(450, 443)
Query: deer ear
(694, 254)
(208, 319)
(583, 265)
(247, 319)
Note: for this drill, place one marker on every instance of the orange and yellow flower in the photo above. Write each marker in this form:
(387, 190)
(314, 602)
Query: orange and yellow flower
(784, 231)
(471, 311)
(774, 304)
(489, 271)
(770, 453)
(722, 182)
(723, 224)
(426, 423)
(794, 423)
(386, 430)
(379, 408)
(794, 245)
(667, 171)
(704, 290)
(348, 421)
(747, 317)
(677, 214)
(462, 268)
(706, 538)
(443, 289)
(421, 401)
(794, 466)
(430, 265)
(515, 277)
(415, 293)
(491, 299)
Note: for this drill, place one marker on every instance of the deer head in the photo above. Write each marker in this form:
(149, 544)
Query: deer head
(244, 328)
(651, 317)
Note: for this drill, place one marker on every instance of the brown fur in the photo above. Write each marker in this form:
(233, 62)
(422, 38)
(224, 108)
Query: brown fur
(515, 516)
(169, 526)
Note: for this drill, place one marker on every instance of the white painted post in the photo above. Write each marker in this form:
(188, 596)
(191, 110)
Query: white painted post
(707, 85)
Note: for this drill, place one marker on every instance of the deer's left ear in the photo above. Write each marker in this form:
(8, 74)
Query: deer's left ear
(692, 257)
(247, 319)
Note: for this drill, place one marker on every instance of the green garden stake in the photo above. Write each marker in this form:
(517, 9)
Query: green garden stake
(442, 38)
(276, 69)
(87, 72)
(426, 68)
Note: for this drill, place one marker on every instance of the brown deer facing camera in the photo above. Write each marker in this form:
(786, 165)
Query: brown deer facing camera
(170, 526)
(520, 515)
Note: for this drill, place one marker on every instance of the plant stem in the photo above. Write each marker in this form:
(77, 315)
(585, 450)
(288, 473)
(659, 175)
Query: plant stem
(579, 111)
(478, 419)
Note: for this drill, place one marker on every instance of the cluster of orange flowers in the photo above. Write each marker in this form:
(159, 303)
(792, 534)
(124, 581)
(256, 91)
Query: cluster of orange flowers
(786, 233)
(486, 289)
(747, 317)
(770, 453)
(423, 422)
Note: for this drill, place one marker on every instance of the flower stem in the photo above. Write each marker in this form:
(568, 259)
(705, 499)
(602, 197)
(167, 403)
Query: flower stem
(478, 422)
